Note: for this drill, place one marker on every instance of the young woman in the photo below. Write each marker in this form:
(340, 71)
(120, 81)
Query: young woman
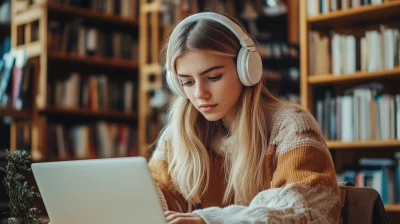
(231, 152)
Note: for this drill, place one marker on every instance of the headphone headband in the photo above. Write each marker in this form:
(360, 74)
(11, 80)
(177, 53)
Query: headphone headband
(245, 40)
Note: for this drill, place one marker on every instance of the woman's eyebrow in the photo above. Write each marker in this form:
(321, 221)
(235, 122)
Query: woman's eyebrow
(204, 72)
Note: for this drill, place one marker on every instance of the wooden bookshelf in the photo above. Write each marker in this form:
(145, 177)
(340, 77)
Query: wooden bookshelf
(355, 77)
(35, 18)
(90, 15)
(88, 114)
(363, 144)
(92, 60)
(354, 16)
(341, 20)
(15, 114)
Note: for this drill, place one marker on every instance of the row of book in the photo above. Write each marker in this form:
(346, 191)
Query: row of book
(74, 37)
(98, 140)
(16, 78)
(315, 7)
(345, 54)
(277, 50)
(94, 92)
(124, 8)
(364, 113)
(382, 174)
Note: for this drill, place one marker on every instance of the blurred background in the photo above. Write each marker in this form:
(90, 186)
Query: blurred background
(83, 79)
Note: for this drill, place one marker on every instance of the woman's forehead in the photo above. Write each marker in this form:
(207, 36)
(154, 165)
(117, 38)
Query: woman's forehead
(195, 62)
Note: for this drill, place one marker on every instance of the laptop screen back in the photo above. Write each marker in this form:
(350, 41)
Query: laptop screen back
(101, 191)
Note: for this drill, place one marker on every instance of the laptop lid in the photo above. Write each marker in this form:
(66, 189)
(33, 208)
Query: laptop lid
(101, 191)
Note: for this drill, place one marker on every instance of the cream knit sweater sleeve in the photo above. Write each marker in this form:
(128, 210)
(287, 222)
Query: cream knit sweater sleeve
(303, 187)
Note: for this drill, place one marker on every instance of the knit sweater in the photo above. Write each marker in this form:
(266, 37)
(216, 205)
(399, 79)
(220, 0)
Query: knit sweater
(300, 179)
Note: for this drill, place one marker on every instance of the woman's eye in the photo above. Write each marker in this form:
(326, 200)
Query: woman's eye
(215, 78)
(187, 83)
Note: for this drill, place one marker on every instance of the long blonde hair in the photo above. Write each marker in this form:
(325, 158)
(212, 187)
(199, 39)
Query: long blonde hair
(191, 137)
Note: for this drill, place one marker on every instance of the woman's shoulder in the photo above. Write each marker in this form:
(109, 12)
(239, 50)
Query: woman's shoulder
(294, 127)
(293, 117)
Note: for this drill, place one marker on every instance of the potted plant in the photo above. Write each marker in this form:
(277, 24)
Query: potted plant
(20, 193)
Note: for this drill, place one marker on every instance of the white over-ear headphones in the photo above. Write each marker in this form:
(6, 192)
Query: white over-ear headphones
(249, 64)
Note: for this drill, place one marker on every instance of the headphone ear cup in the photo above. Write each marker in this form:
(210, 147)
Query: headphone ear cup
(241, 67)
(254, 67)
(174, 85)
(249, 66)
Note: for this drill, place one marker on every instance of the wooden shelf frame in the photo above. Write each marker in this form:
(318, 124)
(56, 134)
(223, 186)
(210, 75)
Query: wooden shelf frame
(355, 16)
(355, 77)
(91, 15)
(92, 60)
(363, 144)
(272, 76)
(87, 113)
(392, 208)
(15, 114)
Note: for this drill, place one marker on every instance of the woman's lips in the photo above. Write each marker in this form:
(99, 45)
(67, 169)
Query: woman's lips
(207, 108)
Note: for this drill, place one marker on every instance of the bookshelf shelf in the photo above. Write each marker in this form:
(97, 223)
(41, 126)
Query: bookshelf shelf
(354, 16)
(91, 15)
(16, 114)
(92, 60)
(272, 76)
(86, 113)
(363, 144)
(358, 76)
(392, 208)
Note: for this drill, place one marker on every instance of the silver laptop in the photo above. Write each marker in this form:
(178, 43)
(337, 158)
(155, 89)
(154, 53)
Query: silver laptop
(101, 191)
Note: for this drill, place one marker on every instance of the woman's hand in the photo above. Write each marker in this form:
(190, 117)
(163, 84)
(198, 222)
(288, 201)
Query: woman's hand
(183, 218)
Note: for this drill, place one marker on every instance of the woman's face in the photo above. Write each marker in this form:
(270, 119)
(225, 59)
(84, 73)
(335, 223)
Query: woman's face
(211, 84)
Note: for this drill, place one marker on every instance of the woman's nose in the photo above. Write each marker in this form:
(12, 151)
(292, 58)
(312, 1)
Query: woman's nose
(202, 91)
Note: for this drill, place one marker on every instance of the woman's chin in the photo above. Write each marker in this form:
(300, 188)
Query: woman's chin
(212, 117)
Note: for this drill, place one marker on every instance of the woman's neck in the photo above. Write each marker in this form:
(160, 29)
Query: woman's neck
(229, 118)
